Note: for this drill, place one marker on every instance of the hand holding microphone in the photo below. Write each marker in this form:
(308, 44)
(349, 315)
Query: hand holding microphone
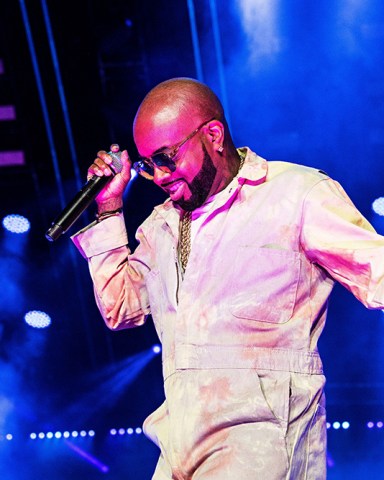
(107, 178)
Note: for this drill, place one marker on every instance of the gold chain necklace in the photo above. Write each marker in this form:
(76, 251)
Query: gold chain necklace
(185, 229)
(185, 239)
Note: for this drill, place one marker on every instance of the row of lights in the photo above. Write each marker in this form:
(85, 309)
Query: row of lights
(345, 425)
(127, 431)
(66, 434)
(130, 431)
(75, 434)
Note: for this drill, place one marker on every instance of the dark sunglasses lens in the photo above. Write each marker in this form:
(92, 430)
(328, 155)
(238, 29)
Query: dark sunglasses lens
(144, 169)
(164, 162)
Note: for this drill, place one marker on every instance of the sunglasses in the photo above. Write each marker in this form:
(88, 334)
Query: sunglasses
(145, 166)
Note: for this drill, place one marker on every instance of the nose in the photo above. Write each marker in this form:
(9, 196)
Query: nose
(159, 176)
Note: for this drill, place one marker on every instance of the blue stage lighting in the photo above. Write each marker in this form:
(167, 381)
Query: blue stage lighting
(37, 319)
(378, 206)
(156, 349)
(16, 223)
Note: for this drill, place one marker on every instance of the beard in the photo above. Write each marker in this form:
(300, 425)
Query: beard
(201, 185)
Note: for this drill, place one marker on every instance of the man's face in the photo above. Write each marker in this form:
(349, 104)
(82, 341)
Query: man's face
(191, 182)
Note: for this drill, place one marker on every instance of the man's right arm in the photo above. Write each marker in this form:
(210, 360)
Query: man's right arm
(117, 275)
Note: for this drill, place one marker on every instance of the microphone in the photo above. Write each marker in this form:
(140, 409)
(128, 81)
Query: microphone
(82, 200)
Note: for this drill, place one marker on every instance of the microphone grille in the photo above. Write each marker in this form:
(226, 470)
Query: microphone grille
(116, 161)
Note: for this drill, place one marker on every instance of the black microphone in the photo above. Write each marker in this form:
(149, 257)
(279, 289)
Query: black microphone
(82, 200)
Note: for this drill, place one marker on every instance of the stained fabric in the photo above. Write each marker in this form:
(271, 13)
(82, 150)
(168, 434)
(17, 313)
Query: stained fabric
(243, 379)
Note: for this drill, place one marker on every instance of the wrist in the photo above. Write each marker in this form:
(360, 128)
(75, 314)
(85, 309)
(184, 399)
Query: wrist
(107, 214)
(113, 204)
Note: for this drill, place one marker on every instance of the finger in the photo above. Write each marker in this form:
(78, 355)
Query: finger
(103, 161)
(115, 148)
(99, 168)
(125, 157)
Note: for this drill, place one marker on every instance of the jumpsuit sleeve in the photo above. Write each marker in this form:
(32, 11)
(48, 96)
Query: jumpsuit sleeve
(336, 236)
(118, 275)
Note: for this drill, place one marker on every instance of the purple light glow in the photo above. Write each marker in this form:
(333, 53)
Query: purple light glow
(88, 457)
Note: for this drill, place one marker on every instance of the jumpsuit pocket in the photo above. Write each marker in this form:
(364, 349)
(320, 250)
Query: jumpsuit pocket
(317, 444)
(276, 389)
(264, 284)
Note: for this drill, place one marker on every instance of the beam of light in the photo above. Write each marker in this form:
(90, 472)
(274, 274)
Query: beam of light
(43, 102)
(259, 19)
(195, 40)
(219, 58)
(88, 457)
(60, 88)
(113, 379)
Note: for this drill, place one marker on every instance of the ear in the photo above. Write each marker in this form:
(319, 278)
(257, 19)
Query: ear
(215, 134)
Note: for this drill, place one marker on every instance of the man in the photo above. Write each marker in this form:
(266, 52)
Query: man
(236, 269)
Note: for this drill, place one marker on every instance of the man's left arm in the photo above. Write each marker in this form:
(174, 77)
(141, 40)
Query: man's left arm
(336, 236)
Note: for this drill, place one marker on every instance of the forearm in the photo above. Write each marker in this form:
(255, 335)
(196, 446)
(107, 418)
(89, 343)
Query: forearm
(117, 276)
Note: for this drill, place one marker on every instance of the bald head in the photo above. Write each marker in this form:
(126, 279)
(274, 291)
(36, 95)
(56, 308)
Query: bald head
(181, 98)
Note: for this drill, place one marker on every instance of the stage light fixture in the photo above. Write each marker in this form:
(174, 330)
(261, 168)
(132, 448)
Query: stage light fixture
(37, 319)
(156, 349)
(378, 206)
(16, 223)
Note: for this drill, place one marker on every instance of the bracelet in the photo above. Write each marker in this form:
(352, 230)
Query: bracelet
(109, 213)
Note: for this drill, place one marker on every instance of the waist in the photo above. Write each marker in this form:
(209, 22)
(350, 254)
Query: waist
(189, 357)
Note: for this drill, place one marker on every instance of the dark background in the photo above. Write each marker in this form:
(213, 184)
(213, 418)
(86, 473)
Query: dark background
(301, 81)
